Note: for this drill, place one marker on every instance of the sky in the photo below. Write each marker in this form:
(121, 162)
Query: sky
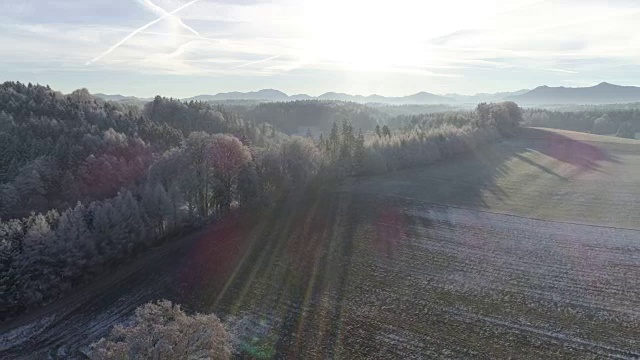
(182, 48)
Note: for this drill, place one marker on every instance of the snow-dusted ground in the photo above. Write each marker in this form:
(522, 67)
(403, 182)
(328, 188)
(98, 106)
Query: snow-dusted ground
(415, 280)
(528, 287)
(382, 276)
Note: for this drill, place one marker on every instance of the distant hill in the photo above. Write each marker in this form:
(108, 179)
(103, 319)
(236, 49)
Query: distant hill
(603, 93)
(265, 94)
(422, 98)
(485, 97)
(120, 98)
(276, 95)
(300, 97)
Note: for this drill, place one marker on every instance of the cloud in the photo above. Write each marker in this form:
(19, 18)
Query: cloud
(255, 62)
(561, 71)
(531, 39)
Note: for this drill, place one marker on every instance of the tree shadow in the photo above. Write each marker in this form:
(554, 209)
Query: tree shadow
(583, 155)
(539, 166)
(467, 179)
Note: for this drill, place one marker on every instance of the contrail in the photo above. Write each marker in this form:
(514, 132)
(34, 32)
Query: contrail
(560, 70)
(139, 30)
(162, 11)
(254, 62)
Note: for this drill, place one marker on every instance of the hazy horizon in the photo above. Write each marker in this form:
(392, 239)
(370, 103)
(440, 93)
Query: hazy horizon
(187, 48)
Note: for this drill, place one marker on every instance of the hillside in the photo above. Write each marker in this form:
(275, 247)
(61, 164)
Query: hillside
(120, 98)
(547, 174)
(517, 249)
(485, 97)
(276, 95)
(603, 93)
(265, 95)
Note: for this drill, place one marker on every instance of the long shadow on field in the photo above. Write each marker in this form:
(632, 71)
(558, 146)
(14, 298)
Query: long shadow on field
(312, 262)
(584, 156)
(465, 180)
(286, 296)
(292, 293)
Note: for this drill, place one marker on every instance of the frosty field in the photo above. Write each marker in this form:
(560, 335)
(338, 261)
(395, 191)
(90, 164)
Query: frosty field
(529, 248)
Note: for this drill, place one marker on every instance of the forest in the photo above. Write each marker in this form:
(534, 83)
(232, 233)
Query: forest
(87, 185)
(622, 121)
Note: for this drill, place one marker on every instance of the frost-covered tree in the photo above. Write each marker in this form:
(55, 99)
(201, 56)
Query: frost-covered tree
(300, 161)
(39, 261)
(603, 126)
(198, 181)
(626, 130)
(228, 156)
(158, 207)
(76, 246)
(505, 116)
(133, 222)
(163, 331)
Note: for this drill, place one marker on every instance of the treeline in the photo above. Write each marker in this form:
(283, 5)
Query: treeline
(191, 116)
(601, 120)
(179, 184)
(415, 109)
(421, 141)
(289, 116)
(432, 120)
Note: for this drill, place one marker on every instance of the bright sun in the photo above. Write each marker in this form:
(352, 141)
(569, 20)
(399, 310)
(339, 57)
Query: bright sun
(382, 35)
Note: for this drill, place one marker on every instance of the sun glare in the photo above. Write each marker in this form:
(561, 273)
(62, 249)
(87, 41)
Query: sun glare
(382, 35)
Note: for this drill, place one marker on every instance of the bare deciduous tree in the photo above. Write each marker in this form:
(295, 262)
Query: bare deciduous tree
(163, 331)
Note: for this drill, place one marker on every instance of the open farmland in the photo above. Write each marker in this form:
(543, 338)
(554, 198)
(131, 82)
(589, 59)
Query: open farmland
(528, 248)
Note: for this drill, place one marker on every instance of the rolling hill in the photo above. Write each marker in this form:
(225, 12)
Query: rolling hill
(264, 94)
(121, 98)
(276, 95)
(485, 97)
(603, 93)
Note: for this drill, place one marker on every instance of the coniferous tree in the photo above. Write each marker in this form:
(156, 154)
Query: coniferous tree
(334, 140)
(359, 153)
(386, 131)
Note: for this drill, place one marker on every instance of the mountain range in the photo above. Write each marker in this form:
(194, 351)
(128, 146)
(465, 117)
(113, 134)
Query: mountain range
(277, 95)
(603, 93)
(121, 98)
(485, 97)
